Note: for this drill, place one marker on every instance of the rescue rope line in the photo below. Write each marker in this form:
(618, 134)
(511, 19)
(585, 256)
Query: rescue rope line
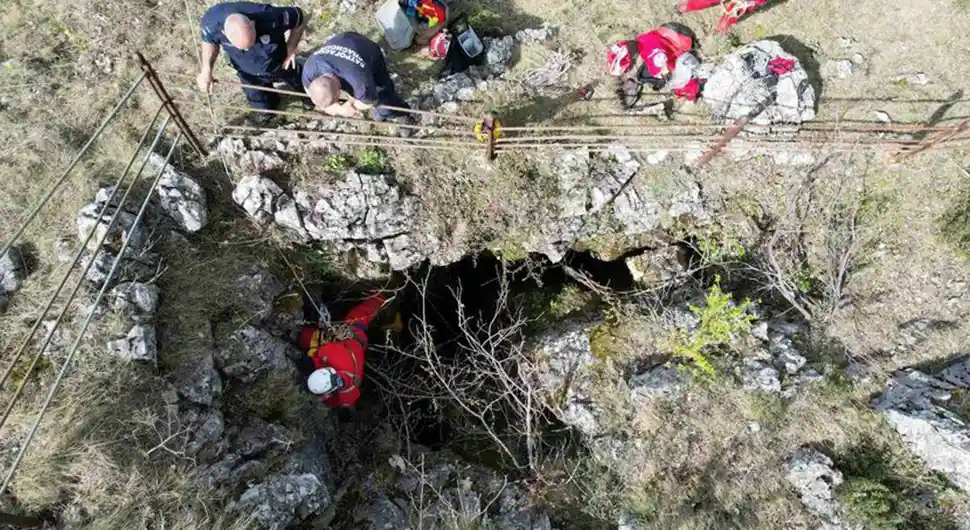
(67, 274)
(362, 143)
(67, 172)
(453, 117)
(25, 444)
(315, 117)
(471, 142)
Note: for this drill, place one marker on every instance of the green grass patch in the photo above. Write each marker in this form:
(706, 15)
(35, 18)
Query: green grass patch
(887, 491)
(955, 222)
(372, 161)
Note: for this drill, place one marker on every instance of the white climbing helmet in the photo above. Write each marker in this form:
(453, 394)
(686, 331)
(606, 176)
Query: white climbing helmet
(324, 381)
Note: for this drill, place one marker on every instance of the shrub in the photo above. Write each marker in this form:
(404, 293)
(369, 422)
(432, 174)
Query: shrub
(338, 163)
(721, 320)
(872, 502)
(371, 161)
(955, 222)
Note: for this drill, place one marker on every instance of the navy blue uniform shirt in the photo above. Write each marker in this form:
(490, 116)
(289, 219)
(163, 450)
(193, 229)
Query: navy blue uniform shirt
(269, 51)
(354, 59)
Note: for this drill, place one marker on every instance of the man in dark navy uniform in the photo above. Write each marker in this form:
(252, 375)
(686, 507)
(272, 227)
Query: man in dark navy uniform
(353, 64)
(254, 37)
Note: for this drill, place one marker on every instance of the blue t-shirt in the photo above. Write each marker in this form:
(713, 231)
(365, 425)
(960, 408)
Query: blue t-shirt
(351, 57)
(269, 51)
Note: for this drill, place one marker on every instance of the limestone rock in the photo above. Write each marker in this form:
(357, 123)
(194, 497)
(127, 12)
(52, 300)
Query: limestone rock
(250, 352)
(567, 360)
(517, 512)
(741, 86)
(134, 298)
(60, 338)
(841, 68)
(913, 405)
(815, 478)
(257, 195)
(12, 273)
(759, 376)
(206, 430)
(498, 54)
(96, 217)
(256, 292)
(542, 33)
(913, 79)
(139, 345)
(258, 437)
(181, 197)
(657, 267)
(282, 500)
(449, 88)
(197, 380)
(660, 381)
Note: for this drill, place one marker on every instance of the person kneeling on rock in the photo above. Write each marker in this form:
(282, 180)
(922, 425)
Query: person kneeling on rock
(337, 351)
(353, 64)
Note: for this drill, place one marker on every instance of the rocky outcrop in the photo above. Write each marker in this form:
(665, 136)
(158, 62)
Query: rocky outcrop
(140, 344)
(368, 214)
(778, 367)
(250, 352)
(181, 198)
(498, 54)
(438, 490)
(12, 274)
(744, 85)
(915, 404)
(814, 477)
(256, 291)
(138, 260)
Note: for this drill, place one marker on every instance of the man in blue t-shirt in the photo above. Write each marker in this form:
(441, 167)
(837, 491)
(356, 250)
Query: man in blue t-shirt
(352, 63)
(254, 37)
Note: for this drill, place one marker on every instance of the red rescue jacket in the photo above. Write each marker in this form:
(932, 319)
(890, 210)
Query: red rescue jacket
(346, 356)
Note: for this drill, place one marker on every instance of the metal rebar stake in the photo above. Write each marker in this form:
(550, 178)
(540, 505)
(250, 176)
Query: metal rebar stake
(170, 106)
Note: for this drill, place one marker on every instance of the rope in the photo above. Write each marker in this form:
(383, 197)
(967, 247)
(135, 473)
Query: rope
(432, 141)
(313, 117)
(304, 95)
(67, 172)
(77, 257)
(365, 143)
(25, 445)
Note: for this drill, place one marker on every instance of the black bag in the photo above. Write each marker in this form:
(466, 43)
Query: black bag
(457, 60)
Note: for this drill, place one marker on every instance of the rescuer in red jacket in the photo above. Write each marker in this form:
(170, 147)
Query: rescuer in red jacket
(339, 364)
(667, 60)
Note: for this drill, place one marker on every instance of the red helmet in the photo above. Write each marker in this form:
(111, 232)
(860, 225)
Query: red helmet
(618, 60)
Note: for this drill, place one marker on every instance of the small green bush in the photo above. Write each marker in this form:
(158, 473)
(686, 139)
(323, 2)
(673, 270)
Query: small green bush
(372, 161)
(872, 502)
(338, 163)
(721, 321)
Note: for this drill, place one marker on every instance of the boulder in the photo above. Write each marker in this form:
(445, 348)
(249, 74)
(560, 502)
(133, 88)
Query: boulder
(197, 379)
(134, 298)
(96, 217)
(516, 511)
(181, 197)
(659, 266)
(742, 85)
(498, 54)
(378, 512)
(250, 352)
(814, 477)
(913, 404)
(140, 344)
(542, 33)
(281, 500)
(205, 432)
(659, 381)
(257, 195)
(454, 87)
(565, 373)
(13, 270)
(258, 437)
(256, 292)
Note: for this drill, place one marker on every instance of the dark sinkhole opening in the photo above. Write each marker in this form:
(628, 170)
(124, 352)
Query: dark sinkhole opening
(451, 325)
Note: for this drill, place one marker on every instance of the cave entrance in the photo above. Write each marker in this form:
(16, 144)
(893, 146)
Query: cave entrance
(459, 311)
